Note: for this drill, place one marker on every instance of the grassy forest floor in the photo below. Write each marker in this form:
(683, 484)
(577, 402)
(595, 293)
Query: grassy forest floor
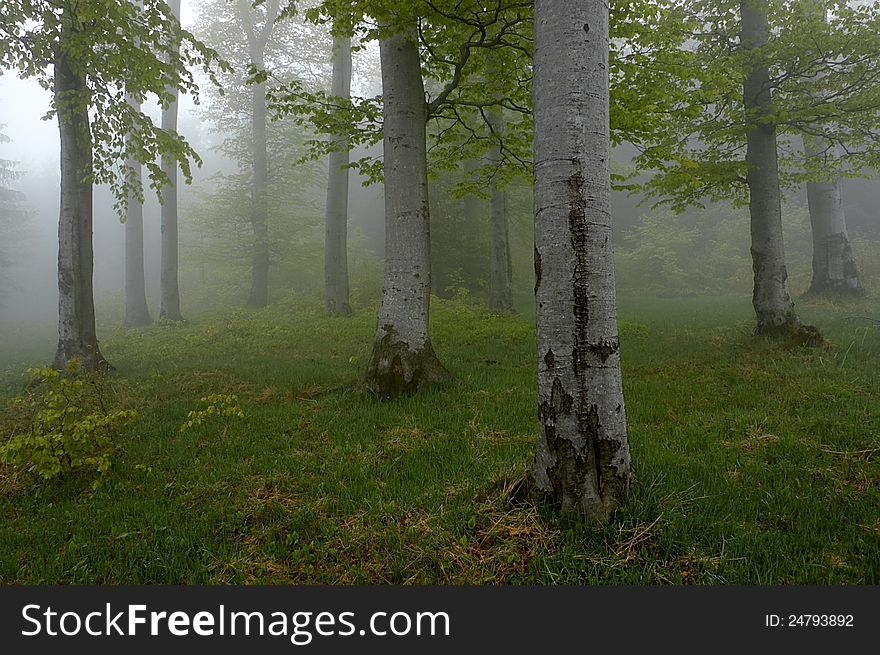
(757, 463)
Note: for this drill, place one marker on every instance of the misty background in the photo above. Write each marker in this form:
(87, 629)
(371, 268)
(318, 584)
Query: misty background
(658, 252)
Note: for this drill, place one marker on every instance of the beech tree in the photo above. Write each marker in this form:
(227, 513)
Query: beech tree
(771, 298)
(137, 313)
(97, 53)
(582, 461)
(834, 266)
(336, 288)
(835, 271)
(756, 76)
(403, 358)
(266, 44)
(500, 265)
(258, 33)
(169, 287)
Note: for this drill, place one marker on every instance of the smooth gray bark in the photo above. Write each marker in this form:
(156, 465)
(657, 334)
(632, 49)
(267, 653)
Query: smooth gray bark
(336, 292)
(257, 42)
(500, 269)
(77, 337)
(169, 288)
(834, 266)
(773, 304)
(403, 359)
(582, 461)
(137, 314)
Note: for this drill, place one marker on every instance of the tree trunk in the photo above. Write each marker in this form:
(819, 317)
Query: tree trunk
(336, 226)
(169, 307)
(582, 462)
(137, 313)
(259, 294)
(500, 270)
(76, 305)
(774, 307)
(834, 266)
(403, 359)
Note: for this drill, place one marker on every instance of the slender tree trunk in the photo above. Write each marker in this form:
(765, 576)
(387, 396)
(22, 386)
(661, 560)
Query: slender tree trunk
(77, 337)
(403, 359)
(259, 294)
(169, 307)
(336, 226)
(137, 313)
(774, 307)
(582, 461)
(834, 265)
(500, 270)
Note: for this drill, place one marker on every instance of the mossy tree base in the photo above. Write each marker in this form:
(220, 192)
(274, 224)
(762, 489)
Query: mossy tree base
(337, 308)
(89, 356)
(791, 332)
(395, 369)
(835, 289)
(527, 491)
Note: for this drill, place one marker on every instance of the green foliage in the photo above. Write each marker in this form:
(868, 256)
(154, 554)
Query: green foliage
(121, 48)
(823, 59)
(69, 427)
(703, 251)
(216, 405)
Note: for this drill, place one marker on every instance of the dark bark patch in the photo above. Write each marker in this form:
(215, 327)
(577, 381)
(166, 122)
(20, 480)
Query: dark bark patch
(550, 359)
(604, 349)
(792, 334)
(537, 269)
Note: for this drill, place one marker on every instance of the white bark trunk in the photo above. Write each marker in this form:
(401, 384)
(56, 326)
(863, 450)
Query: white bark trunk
(259, 293)
(834, 265)
(258, 39)
(76, 306)
(403, 359)
(582, 460)
(137, 313)
(169, 306)
(336, 291)
(774, 307)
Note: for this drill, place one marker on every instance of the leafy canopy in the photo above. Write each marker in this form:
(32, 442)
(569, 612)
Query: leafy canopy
(823, 59)
(120, 48)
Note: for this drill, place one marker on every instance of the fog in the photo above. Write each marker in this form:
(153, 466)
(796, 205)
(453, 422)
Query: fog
(614, 273)
(29, 294)
(658, 252)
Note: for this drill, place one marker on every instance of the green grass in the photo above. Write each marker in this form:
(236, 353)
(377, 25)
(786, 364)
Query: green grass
(757, 463)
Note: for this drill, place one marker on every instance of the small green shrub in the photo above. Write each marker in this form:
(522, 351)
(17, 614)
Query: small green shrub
(68, 425)
(219, 405)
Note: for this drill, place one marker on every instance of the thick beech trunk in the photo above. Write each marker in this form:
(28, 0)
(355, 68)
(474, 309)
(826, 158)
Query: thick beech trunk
(774, 307)
(582, 462)
(137, 313)
(169, 289)
(336, 294)
(834, 266)
(76, 306)
(403, 359)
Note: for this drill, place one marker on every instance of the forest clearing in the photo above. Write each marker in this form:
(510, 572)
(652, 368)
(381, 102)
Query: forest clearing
(440, 297)
(757, 464)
